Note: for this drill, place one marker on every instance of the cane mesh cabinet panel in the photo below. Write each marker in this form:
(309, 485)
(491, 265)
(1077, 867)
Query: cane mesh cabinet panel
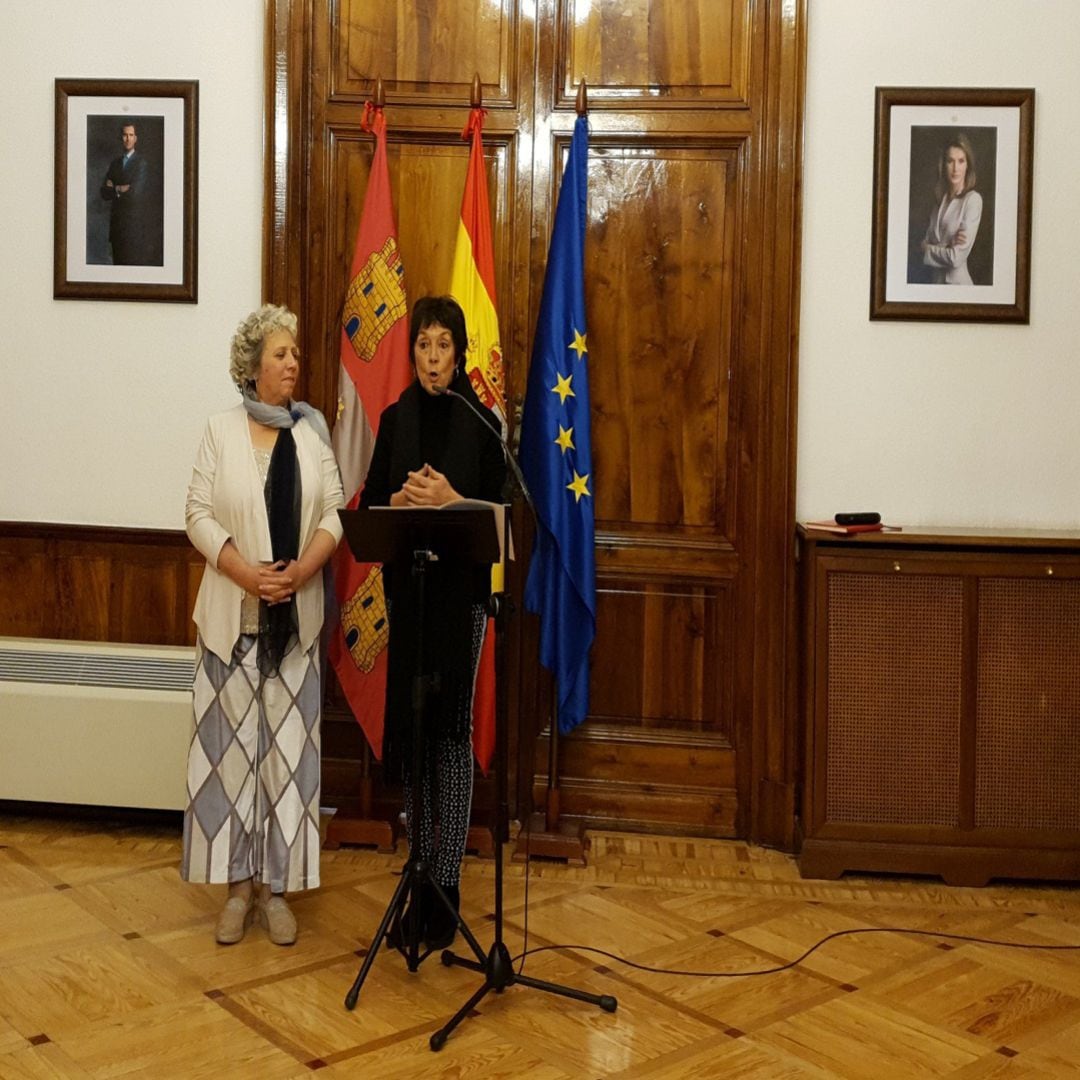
(940, 704)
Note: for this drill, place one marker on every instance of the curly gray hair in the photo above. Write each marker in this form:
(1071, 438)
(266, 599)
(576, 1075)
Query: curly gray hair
(245, 353)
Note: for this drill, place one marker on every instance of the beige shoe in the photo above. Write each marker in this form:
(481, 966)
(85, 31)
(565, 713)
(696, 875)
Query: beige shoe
(278, 921)
(235, 918)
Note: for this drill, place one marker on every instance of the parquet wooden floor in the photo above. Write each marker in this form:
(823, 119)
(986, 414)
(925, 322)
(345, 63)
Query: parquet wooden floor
(108, 968)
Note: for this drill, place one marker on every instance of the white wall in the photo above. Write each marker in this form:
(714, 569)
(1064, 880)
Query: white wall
(936, 423)
(104, 402)
(962, 424)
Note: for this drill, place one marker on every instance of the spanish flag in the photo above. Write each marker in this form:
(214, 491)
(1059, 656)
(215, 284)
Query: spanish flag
(375, 368)
(472, 284)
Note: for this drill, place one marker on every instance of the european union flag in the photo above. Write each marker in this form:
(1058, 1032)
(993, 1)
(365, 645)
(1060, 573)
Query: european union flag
(556, 453)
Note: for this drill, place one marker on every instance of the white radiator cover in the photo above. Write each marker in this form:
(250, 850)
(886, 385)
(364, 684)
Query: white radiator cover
(95, 723)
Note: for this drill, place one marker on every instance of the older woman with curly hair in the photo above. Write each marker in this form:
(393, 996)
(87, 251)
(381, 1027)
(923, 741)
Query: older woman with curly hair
(262, 507)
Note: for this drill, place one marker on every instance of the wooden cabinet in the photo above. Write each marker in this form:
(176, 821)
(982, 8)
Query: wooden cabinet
(941, 704)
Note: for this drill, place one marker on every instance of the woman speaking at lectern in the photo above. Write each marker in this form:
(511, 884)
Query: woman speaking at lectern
(433, 449)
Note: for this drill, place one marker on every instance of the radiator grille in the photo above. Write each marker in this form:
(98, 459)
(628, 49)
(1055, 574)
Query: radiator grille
(129, 672)
(894, 677)
(1028, 743)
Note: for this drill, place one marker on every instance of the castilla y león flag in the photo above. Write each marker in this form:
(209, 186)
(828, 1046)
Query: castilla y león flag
(472, 284)
(374, 370)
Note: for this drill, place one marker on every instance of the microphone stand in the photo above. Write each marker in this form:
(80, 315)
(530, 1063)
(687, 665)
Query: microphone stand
(515, 468)
(498, 968)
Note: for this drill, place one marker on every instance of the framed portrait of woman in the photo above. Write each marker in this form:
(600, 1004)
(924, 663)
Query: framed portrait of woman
(126, 190)
(951, 235)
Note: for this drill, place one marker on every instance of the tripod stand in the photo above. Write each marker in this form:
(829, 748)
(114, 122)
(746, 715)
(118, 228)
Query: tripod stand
(419, 538)
(497, 967)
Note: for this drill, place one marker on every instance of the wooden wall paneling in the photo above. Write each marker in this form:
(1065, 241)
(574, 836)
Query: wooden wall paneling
(148, 600)
(655, 53)
(24, 587)
(426, 111)
(195, 572)
(80, 604)
(772, 275)
(656, 751)
(695, 114)
(661, 236)
(93, 583)
(732, 526)
(425, 52)
(663, 651)
(285, 168)
(656, 192)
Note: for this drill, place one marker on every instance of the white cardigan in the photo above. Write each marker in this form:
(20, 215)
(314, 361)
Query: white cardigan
(225, 501)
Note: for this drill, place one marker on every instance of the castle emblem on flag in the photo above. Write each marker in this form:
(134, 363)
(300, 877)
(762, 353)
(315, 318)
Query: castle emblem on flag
(375, 300)
(364, 623)
(487, 379)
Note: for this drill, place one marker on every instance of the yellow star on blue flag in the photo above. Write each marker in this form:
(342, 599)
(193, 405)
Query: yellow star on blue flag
(578, 344)
(562, 388)
(577, 486)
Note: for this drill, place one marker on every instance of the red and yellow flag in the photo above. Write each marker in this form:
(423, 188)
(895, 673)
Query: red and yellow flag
(472, 280)
(374, 370)
(472, 284)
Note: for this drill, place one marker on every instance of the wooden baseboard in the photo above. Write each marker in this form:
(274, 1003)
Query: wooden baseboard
(972, 866)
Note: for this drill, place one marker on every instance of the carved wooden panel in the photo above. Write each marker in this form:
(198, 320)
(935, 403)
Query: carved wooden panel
(660, 245)
(670, 785)
(655, 53)
(662, 657)
(424, 49)
(657, 751)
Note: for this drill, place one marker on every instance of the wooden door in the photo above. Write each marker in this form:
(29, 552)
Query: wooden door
(691, 271)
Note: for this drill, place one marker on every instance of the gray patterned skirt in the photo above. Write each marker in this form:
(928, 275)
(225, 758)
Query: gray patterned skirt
(253, 770)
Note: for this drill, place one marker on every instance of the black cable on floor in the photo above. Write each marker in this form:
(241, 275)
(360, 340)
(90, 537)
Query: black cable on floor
(798, 960)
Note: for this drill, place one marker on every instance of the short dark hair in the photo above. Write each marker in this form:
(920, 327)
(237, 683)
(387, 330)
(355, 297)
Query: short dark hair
(446, 311)
(129, 124)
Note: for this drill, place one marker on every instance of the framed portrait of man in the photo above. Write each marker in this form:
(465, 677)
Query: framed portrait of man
(126, 190)
(951, 238)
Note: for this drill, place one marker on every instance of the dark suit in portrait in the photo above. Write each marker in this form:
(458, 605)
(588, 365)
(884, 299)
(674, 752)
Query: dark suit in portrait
(126, 187)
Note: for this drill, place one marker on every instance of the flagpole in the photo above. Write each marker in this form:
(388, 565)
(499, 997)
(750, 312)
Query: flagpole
(485, 841)
(547, 834)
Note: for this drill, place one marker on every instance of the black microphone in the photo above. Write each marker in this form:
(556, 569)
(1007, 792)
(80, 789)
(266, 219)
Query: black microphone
(507, 452)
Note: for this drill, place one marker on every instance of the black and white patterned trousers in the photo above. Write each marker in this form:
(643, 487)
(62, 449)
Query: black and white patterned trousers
(445, 788)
